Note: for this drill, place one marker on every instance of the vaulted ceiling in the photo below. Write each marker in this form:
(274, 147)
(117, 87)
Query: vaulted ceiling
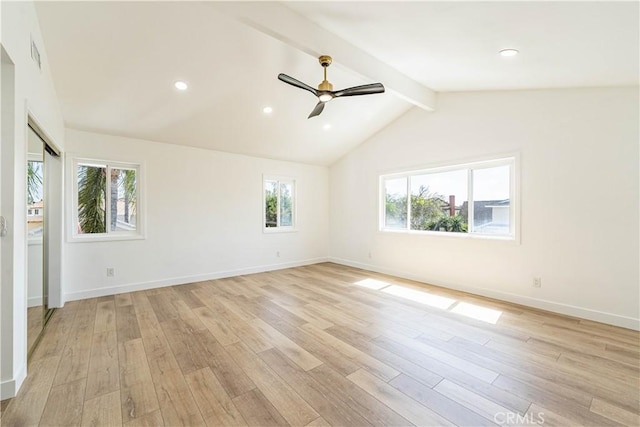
(114, 64)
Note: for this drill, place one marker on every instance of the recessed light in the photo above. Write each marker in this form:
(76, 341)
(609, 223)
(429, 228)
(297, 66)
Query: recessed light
(509, 52)
(327, 126)
(180, 85)
(267, 110)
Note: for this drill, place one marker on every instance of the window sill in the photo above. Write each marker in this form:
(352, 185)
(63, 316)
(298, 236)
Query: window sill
(277, 230)
(450, 235)
(87, 238)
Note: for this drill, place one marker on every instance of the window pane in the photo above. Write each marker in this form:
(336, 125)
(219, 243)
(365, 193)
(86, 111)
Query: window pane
(439, 201)
(286, 202)
(271, 203)
(491, 204)
(91, 199)
(395, 210)
(35, 204)
(123, 200)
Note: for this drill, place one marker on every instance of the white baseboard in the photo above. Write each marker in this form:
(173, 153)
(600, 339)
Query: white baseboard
(556, 307)
(9, 388)
(132, 287)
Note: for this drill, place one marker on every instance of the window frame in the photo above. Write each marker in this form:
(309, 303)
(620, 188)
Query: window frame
(294, 208)
(511, 160)
(72, 232)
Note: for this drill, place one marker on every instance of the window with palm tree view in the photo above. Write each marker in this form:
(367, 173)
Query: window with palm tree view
(106, 199)
(473, 198)
(279, 204)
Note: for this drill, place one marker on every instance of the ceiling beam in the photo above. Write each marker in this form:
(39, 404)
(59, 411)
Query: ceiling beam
(282, 23)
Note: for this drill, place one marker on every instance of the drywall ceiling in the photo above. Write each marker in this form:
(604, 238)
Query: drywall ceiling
(114, 64)
(453, 46)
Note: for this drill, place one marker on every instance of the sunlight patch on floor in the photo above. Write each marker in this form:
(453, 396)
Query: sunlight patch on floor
(466, 309)
(477, 312)
(372, 284)
(419, 296)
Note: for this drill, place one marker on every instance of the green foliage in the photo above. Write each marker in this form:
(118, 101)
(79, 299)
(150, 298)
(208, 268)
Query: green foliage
(91, 199)
(286, 210)
(396, 209)
(271, 206)
(92, 192)
(34, 181)
(428, 212)
(454, 224)
(426, 208)
(115, 177)
(128, 185)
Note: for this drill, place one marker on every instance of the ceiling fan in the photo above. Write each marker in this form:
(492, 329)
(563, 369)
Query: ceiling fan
(325, 92)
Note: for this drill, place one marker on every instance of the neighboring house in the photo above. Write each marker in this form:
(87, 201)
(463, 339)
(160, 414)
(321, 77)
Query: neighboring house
(488, 215)
(126, 217)
(35, 216)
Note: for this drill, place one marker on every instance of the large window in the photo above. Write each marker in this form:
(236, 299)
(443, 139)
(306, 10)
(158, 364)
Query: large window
(476, 198)
(279, 204)
(106, 200)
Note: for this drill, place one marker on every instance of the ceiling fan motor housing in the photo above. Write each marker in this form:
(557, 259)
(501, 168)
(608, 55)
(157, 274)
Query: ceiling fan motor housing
(325, 86)
(325, 60)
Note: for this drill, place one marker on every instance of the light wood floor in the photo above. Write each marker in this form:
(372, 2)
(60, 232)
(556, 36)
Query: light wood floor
(35, 320)
(324, 345)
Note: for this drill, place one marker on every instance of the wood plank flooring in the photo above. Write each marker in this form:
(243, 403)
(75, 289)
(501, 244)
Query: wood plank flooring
(324, 345)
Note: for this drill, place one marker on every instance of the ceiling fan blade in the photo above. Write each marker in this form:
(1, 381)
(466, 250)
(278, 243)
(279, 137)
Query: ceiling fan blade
(297, 83)
(369, 89)
(316, 111)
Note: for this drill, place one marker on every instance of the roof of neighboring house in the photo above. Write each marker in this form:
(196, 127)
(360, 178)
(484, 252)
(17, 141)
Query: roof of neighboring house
(496, 203)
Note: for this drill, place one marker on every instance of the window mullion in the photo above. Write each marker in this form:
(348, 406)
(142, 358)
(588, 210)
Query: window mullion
(512, 199)
(278, 219)
(107, 199)
(470, 214)
(408, 202)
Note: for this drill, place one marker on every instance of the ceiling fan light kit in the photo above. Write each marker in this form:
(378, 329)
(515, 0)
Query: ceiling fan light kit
(325, 92)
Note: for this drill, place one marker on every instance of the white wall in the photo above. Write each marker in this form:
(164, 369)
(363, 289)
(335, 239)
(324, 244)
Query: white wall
(579, 199)
(204, 218)
(34, 94)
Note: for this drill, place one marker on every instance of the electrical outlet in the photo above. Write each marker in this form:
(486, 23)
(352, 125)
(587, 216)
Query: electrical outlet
(369, 254)
(537, 282)
(278, 254)
(111, 272)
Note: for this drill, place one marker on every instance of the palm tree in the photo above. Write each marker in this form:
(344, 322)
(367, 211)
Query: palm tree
(128, 184)
(92, 195)
(91, 199)
(34, 181)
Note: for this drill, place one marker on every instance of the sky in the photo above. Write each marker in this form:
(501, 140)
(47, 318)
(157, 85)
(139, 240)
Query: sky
(489, 184)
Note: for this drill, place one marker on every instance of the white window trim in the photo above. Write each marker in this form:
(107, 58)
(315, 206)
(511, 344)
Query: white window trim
(512, 159)
(294, 215)
(72, 208)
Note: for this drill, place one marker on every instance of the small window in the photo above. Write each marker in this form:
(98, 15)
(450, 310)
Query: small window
(470, 199)
(106, 200)
(279, 204)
